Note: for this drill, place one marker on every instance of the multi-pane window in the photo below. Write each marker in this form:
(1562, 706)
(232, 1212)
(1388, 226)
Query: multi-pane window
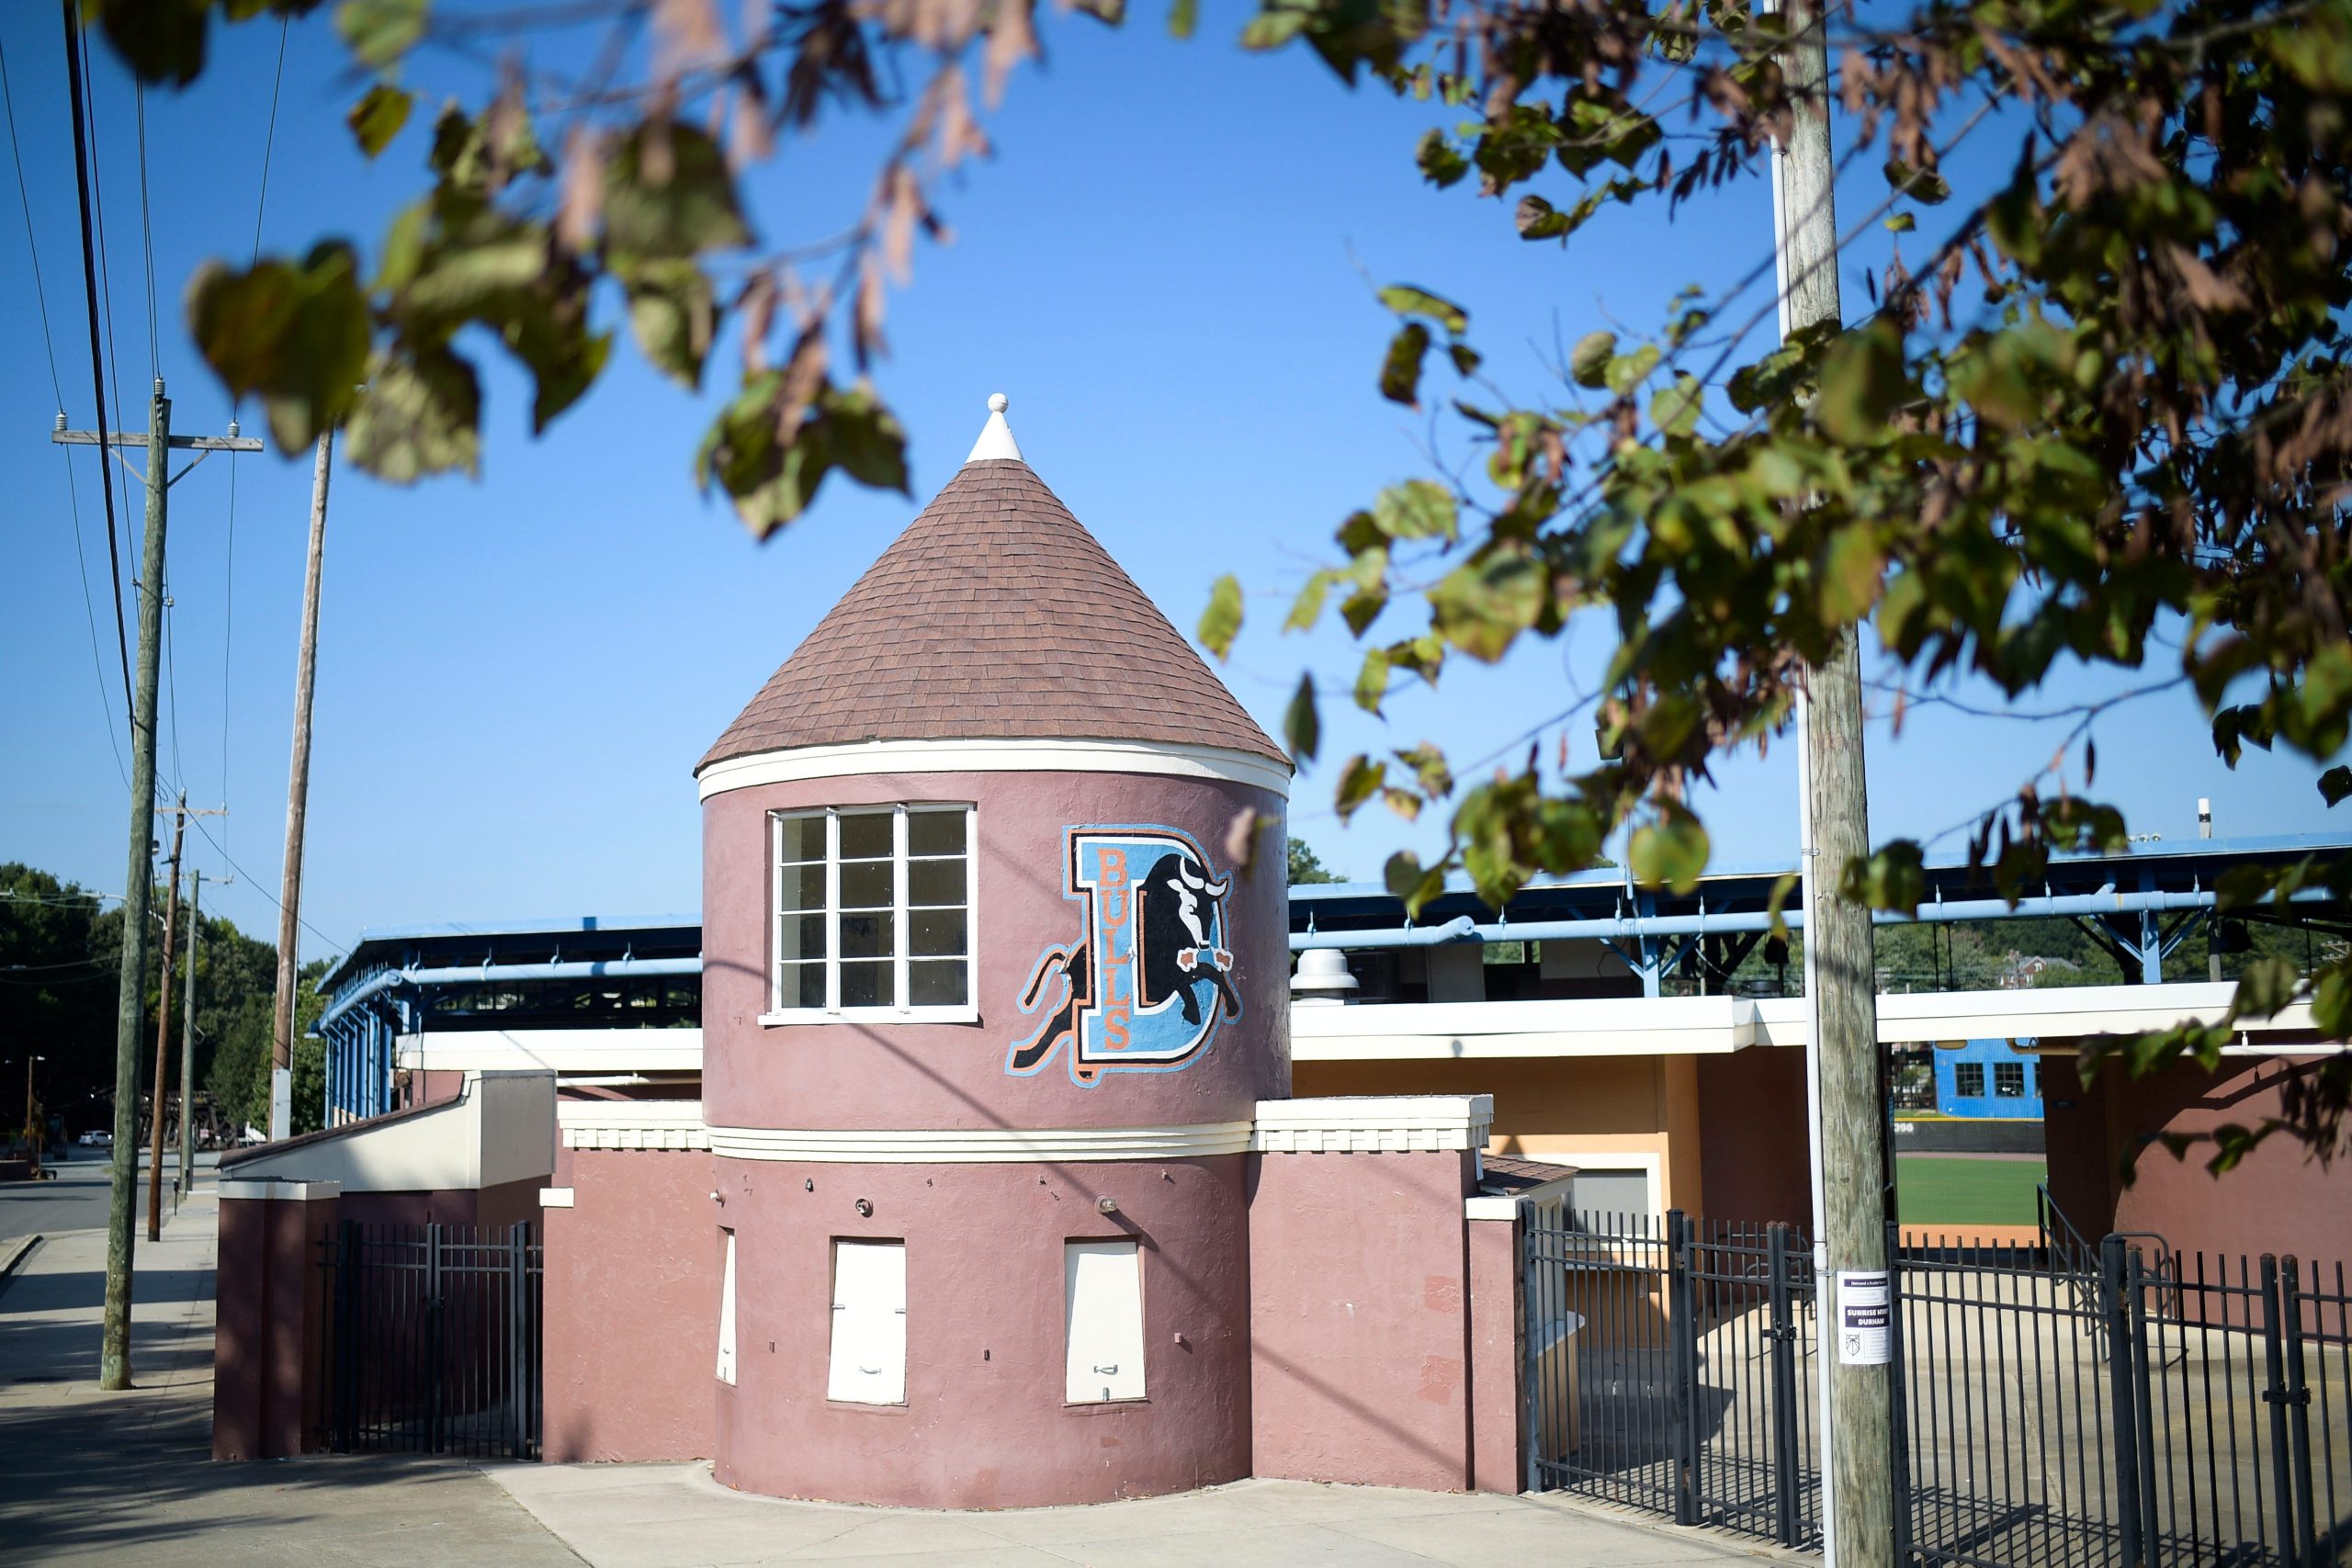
(1968, 1080)
(2008, 1080)
(873, 911)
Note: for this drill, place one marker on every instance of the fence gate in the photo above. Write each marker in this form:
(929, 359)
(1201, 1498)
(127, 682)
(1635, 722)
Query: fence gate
(2110, 1403)
(432, 1341)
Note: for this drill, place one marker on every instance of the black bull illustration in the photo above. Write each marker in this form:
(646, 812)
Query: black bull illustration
(1173, 955)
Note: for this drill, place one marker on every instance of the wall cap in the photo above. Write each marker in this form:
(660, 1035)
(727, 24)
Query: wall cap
(1489, 1207)
(555, 1198)
(978, 1145)
(231, 1190)
(645, 1125)
(1409, 1123)
(859, 758)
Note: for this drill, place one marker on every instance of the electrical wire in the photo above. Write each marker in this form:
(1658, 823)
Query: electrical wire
(98, 371)
(57, 385)
(98, 205)
(334, 947)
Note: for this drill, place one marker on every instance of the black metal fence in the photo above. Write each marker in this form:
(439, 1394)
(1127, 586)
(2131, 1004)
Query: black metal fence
(432, 1345)
(2066, 1403)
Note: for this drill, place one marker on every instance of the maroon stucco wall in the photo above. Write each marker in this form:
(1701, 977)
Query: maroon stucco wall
(984, 1425)
(1360, 1318)
(949, 1075)
(630, 1322)
(1498, 1424)
(506, 1204)
(270, 1364)
(2275, 1201)
(1752, 1137)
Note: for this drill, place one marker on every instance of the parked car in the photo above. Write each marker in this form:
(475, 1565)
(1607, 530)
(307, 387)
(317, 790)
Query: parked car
(97, 1138)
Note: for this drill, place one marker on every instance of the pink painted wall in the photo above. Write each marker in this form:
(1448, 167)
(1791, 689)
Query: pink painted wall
(1498, 1423)
(630, 1322)
(1360, 1318)
(984, 1425)
(269, 1361)
(952, 1075)
(506, 1204)
(2275, 1201)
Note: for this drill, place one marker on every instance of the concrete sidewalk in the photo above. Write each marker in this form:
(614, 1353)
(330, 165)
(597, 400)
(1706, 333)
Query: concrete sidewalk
(676, 1515)
(129, 1479)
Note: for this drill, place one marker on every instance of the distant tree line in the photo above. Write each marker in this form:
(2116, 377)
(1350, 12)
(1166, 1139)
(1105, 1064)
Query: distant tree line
(61, 961)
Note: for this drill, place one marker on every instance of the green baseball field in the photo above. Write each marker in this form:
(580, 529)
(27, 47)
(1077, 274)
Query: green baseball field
(1960, 1189)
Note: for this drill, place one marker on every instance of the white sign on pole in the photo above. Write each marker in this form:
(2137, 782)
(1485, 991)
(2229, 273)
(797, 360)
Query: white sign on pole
(1865, 1318)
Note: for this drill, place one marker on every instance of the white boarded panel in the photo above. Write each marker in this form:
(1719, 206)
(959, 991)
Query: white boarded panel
(1102, 1304)
(869, 1346)
(726, 1313)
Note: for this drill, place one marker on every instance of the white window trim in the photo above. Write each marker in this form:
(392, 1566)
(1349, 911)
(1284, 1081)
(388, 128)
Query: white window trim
(901, 927)
(727, 1314)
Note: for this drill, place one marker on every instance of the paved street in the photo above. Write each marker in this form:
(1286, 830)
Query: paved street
(126, 1479)
(77, 1199)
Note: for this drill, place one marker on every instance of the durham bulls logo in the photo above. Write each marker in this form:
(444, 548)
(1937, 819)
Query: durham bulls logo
(1146, 986)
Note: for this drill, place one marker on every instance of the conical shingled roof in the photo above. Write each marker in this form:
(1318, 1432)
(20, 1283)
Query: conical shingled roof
(995, 615)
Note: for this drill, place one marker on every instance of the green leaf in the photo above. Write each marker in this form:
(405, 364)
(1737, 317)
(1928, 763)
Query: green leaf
(1901, 223)
(376, 118)
(1669, 852)
(1440, 161)
(1372, 680)
(1589, 361)
(2332, 1003)
(297, 334)
(1407, 880)
(1307, 608)
(1862, 383)
(674, 313)
(1273, 28)
(1183, 17)
(1302, 726)
(421, 415)
(2335, 784)
(1221, 622)
(380, 31)
(677, 206)
(862, 436)
(1416, 509)
(2265, 986)
(1922, 185)
(1675, 409)
(1361, 779)
(1893, 878)
(161, 44)
(1400, 373)
(1537, 218)
(1852, 566)
(1407, 300)
(1482, 606)
(1627, 371)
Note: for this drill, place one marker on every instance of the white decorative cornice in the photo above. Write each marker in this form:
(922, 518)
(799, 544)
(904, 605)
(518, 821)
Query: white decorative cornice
(980, 1145)
(649, 1124)
(856, 759)
(1408, 1123)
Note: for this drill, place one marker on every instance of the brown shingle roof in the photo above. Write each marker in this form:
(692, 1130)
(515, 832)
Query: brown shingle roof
(995, 615)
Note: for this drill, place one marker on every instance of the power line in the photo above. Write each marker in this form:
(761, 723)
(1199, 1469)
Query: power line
(57, 385)
(334, 947)
(97, 370)
(270, 140)
(98, 202)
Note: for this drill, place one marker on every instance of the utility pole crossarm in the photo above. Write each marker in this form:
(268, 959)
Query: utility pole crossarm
(135, 438)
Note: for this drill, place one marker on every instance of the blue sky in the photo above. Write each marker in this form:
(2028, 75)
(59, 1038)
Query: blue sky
(1169, 266)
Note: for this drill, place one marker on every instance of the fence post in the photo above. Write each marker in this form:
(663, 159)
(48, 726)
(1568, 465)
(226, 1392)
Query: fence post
(340, 1342)
(1682, 1329)
(432, 1337)
(2151, 1537)
(2274, 1395)
(2114, 1278)
(2307, 1548)
(1898, 1380)
(1532, 1324)
(518, 1248)
(1783, 1337)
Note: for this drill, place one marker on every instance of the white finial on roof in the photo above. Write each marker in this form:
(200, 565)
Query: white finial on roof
(996, 437)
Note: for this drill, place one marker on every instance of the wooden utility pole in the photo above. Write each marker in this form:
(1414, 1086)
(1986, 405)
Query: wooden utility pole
(139, 880)
(1841, 983)
(298, 795)
(163, 1027)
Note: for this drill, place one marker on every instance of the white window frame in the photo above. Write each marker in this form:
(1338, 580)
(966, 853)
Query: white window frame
(1119, 1334)
(901, 925)
(882, 1334)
